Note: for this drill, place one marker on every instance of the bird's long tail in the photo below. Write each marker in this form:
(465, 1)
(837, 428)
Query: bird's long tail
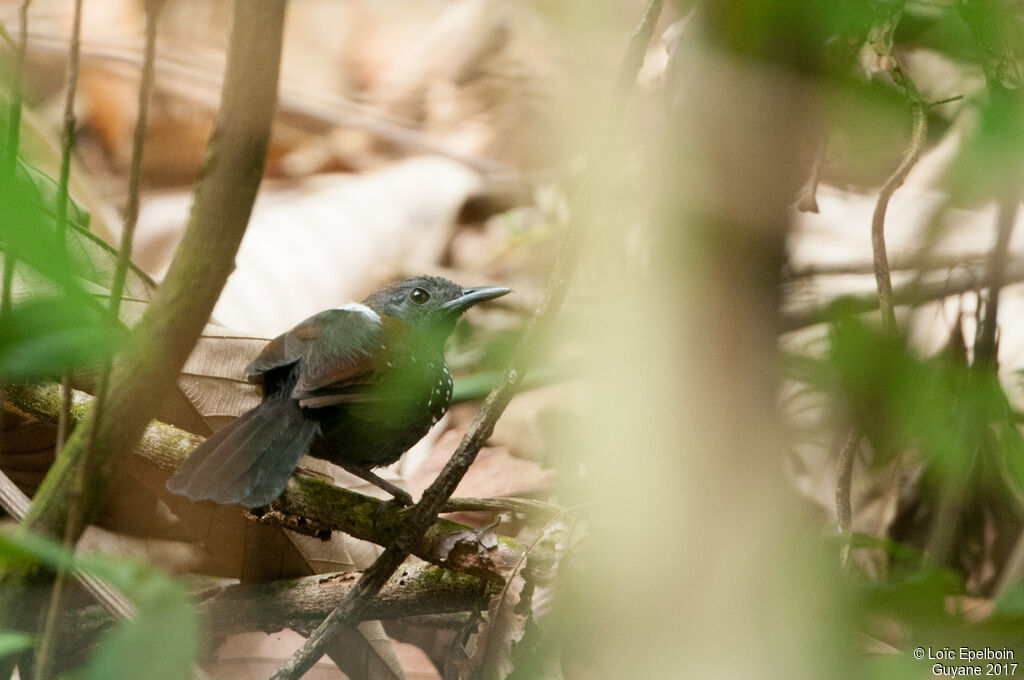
(248, 461)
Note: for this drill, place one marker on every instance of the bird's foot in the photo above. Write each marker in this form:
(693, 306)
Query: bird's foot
(400, 495)
(398, 501)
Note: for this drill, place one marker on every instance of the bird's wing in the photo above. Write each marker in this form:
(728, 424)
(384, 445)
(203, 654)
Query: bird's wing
(334, 349)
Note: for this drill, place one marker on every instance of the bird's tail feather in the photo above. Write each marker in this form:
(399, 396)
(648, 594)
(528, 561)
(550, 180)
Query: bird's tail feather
(249, 460)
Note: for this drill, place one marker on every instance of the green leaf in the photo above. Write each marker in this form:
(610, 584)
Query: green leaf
(918, 595)
(1010, 604)
(477, 386)
(60, 284)
(47, 337)
(939, 406)
(992, 159)
(11, 642)
(28, 226)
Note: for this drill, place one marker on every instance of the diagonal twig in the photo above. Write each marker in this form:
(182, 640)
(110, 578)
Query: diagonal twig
(424, 513)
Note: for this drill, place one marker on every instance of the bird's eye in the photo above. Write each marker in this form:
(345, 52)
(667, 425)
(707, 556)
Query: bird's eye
(419, 296)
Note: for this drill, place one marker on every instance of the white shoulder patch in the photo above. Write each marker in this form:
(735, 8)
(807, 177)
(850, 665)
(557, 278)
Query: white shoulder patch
(361, 309)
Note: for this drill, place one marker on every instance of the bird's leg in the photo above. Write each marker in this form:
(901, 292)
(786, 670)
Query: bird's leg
(401, 495)
(315, 474)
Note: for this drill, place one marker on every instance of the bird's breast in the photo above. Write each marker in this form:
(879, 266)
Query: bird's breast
(394, 413)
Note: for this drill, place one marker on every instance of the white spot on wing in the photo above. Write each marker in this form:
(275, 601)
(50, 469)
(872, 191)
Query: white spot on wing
(360, 308)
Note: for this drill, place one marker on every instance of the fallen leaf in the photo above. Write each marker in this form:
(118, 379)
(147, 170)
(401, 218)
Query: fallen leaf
(494, 473)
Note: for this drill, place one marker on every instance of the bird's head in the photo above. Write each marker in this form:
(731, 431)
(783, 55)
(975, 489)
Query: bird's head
(430, 304)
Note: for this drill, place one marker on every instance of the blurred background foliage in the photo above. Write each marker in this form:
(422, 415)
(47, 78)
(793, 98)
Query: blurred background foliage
(775, 482)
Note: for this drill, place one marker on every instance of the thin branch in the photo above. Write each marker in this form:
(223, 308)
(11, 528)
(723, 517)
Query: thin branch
(522, 506)
(808, 199)
(69, 122)
(163, 338)
(10, 159)
(918, 135)
(633, 60)
(985, 342)
(907, 263)
(76, 511)
(9, 162)
(911, 293)
(947, 100)
(423, 514)
(76, 516)
(844, 479)
(124, 253)
(47, 643)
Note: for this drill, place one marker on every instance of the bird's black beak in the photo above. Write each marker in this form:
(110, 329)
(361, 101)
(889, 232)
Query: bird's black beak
(471, 296)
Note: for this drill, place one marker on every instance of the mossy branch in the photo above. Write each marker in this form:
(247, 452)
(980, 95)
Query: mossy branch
(417, 589)
(313, 507)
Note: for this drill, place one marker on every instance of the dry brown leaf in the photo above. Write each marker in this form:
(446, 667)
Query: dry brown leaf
(494, 473)
(322, 241)
(366, 652)
(213, 377)
(415, 662)
(340, 552)
(173, 556)
(255, 656)
(526, 425)
(498, 635)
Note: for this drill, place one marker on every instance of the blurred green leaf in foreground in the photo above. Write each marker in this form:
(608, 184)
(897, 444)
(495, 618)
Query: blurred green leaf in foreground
(54, 320)
(161, 642)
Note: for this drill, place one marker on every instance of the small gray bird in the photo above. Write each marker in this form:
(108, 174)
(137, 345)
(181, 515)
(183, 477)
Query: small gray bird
(357, 385)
